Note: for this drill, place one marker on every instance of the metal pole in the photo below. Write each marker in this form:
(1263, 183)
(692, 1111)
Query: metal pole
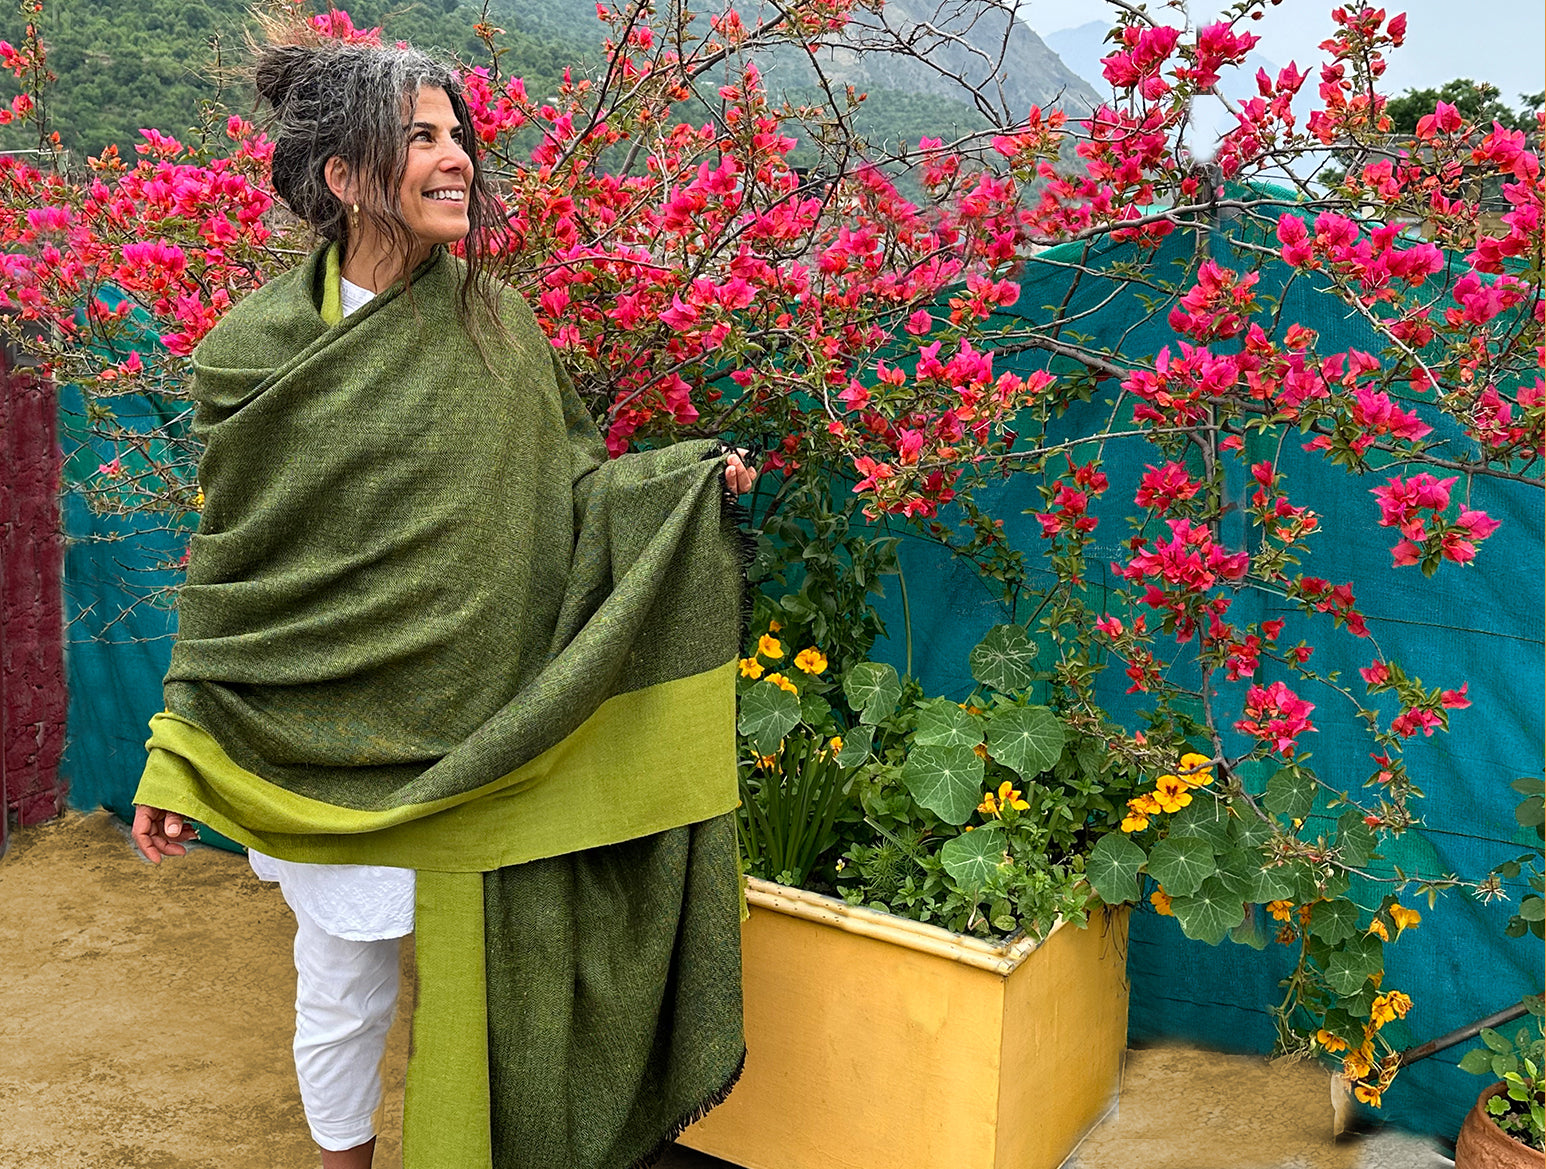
(1470, 1031)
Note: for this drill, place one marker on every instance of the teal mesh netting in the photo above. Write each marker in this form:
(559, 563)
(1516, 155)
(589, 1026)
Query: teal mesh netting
(1481, 626)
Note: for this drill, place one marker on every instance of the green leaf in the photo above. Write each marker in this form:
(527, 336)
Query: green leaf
(1027, 739)
(856, 746)
(1181, 864)
(1113, 868)
(1334, 921)
(1210, 913)
(1204, 817)
(945, 780)
(1290, 793)
(1495, 1040)
(1252, 931)
(815, 710)
(1477, 1061)
(1274, 884)
(1354, 838)
(941, 723)
(1532, 908)
(768, 713)
(972, 858)
(872, 689)
(1003, 659)
(1249, 830)
(1351, 967)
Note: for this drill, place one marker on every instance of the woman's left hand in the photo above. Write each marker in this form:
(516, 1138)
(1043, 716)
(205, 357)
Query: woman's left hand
(738, 476)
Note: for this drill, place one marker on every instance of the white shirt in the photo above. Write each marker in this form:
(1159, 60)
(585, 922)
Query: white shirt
(360, 903)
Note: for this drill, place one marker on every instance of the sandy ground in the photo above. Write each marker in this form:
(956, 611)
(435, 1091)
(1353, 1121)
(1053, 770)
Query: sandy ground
(146, 1015)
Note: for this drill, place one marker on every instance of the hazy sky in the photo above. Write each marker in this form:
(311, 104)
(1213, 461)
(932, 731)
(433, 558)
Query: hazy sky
(1499, 41)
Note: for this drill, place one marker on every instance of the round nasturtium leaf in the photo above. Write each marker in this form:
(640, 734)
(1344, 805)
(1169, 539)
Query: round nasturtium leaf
(768, 713)
(1002, 661)
(1113, 868)
(972, 858)
(945, 780)
(873, 689)
(1027, 739)
(941, 723)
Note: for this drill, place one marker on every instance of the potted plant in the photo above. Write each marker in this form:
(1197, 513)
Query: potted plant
(935, 965)
(1505, 1129)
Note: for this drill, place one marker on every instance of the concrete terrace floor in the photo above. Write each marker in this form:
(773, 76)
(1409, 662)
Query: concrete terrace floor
(148, 1014)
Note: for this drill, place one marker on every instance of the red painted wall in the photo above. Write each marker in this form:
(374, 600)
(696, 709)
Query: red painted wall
(32, 689)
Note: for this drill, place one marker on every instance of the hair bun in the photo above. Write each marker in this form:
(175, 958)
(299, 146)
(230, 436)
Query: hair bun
(280, 68)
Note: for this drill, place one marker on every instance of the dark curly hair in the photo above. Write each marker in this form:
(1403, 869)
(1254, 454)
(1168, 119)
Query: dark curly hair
(332, 99)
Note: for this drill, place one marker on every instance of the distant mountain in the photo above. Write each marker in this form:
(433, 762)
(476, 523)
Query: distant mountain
(945, 50)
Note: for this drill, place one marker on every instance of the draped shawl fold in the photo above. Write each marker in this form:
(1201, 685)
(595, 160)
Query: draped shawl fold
(428, 623)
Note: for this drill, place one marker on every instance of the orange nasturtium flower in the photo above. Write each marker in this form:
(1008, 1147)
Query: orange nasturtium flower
(836, 743)
(1389, 1006)
(1377, 928)
(1196, 770)
(1369, 1094)
(1280, 910)
(782, 683)
(1009, 797)
(1331, 1042)
(1171, 793)
(811, 660)
(751, 668)
(1161, 900)
(769, 646)
(1139, 809)
(1403, 917)
(989, 805)
(774, 627)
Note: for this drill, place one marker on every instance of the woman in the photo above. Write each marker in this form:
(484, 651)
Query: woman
(428, 627)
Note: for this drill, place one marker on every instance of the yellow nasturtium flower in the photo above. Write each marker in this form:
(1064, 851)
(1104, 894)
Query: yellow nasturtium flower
(774, 627)
(1369, 1094)
(769, 646)
(782, 683)
(1171, 793)
(989, 805)
(811, 660)
(1377, 928)
(1403, 917)
(1009, 797)
(1332, 1043)
(1196, 770)
(836, 743)
(751, 668)
(1280, 910)
(1161, 900)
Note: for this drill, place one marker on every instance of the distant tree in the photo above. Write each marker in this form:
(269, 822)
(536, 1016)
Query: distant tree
(1477, 101)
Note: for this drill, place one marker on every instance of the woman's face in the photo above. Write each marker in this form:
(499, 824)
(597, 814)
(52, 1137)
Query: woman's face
(438, 175)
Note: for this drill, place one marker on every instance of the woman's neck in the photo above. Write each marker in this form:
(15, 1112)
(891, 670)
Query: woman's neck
(368, 264)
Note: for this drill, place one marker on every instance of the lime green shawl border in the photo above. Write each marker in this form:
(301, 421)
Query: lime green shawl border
(332, 311)
(643, 762)
(447, 1115)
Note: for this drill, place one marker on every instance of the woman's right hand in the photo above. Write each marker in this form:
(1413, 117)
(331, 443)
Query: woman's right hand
(158, 832)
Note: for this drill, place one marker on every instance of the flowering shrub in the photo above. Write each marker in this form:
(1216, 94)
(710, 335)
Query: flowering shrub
(872, 349)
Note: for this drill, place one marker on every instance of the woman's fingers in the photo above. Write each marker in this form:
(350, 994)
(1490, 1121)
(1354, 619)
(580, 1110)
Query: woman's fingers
(738, 475)
(157, 832)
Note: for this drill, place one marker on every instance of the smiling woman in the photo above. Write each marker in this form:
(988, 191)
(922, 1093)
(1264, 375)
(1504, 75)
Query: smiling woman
(433, 197)
(425, 621)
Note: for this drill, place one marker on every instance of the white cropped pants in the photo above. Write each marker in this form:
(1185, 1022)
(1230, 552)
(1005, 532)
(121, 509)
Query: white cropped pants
(345, 999)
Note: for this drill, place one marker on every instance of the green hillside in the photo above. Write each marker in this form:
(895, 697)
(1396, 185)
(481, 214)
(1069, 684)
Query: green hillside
(150, 63)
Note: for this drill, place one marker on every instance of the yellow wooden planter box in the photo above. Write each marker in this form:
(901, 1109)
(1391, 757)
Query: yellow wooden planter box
(875, 1042)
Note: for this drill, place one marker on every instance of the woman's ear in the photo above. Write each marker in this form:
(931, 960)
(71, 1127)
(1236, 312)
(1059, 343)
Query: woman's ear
(336, 172)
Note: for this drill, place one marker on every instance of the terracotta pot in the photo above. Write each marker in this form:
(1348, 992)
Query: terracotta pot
(1483, 1145)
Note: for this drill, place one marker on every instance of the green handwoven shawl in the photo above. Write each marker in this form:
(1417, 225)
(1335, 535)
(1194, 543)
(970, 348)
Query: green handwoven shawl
(427, 623)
